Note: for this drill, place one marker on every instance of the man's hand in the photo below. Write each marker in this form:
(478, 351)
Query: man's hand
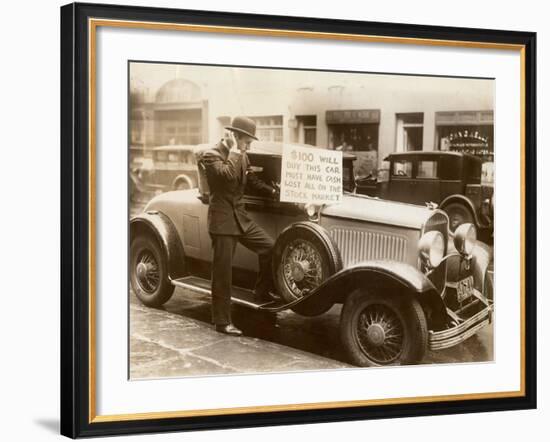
(231, 141)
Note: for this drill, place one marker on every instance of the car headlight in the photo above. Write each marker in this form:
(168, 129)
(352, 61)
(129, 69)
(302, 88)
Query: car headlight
(311, 210)
(432, 248)
(465, 238)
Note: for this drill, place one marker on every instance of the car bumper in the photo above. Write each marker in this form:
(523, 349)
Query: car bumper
(452, 336)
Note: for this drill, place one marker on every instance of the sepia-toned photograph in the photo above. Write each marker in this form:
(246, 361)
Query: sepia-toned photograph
(285, 220)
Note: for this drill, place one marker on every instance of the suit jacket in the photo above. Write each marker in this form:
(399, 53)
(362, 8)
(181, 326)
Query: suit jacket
(227, 174)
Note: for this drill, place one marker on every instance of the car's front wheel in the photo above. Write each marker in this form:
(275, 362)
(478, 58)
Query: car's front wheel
(148, 271)
(383, 329)
(304, 257)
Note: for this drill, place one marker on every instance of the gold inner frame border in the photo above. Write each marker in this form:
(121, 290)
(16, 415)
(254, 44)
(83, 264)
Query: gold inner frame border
(93, 24)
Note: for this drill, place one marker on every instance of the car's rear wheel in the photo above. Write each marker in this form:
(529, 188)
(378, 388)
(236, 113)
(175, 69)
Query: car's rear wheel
(181, 185)
(148, 271)
(304, 257)
(383, 329)
(458, 214)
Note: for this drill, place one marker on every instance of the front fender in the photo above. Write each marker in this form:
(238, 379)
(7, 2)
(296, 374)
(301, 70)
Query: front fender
(482, 257)
(480, 262)
(387, 276)
(159, 226)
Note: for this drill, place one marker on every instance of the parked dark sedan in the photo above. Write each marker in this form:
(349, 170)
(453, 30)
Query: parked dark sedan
(450, 179)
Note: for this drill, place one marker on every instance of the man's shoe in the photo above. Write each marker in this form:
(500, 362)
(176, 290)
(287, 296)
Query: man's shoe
(228, 329)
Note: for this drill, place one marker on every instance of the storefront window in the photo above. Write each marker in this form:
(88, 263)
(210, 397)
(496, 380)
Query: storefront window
(410, 132)
(269, 128)
(307, 129)
(178, 126)
(475, 140)
(467, 132)
(356, 131)
(354, 137)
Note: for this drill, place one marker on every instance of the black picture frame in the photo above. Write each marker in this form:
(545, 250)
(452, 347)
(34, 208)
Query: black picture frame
(76, 404)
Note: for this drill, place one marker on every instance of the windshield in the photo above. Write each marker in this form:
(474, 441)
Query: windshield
(348, 178)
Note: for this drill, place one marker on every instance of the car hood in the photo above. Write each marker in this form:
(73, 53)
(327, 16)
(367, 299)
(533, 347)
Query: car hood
(353, 206)
(375, 210)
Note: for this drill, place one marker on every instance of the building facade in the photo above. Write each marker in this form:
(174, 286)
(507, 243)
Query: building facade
(371, 115)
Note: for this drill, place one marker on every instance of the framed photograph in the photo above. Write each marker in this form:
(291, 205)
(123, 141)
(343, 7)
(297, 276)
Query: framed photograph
(273, 220)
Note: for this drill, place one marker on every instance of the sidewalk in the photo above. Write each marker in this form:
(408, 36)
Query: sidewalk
(165, 344)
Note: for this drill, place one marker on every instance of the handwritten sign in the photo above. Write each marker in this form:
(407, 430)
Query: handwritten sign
(311, 175)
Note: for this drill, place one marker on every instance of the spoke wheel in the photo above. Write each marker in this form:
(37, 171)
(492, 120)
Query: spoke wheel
(302, 267)
(380, 334)
(304, 257)
(383, 328)
(148, 272)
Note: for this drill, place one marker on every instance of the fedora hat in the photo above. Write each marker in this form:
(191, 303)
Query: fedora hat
(244, 125)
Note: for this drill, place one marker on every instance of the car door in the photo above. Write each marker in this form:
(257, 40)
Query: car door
(268, 212)
(401, 180)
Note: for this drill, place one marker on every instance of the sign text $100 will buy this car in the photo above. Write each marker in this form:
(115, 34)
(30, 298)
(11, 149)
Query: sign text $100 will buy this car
(311, 175)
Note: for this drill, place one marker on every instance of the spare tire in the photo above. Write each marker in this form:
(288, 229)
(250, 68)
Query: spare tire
(304, 256)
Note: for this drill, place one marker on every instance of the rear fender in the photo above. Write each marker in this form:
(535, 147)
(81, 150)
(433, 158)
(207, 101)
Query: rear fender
(159, 226)
(387, 276)
(465, 202)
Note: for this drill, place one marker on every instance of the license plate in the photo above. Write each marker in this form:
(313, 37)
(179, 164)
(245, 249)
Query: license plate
(465, 288)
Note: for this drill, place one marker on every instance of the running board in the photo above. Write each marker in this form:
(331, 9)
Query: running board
(239, 295)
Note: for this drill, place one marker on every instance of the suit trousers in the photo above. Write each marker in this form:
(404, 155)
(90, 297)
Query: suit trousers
(254, 239)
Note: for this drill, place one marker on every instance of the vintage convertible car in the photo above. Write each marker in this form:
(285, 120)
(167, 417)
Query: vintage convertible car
(406, 283)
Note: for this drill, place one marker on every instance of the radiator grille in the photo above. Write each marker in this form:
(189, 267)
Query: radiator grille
(357, 245)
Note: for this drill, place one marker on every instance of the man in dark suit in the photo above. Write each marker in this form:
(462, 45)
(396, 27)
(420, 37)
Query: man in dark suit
(228, 171)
